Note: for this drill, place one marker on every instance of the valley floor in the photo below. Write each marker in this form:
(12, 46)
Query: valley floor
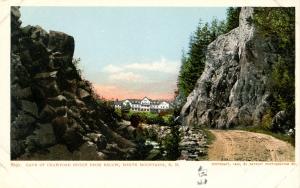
(237, 145)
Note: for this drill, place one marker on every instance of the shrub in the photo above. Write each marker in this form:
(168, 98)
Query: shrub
(118, 114)
(135, 120)
(171, 144)
(266, 122)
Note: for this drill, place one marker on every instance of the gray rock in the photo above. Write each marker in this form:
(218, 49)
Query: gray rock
(48, 108)
(20, 93)
(82, 93)
(30, 107)
(72, 138)
(17, 147)
(79, 103)
(46, 75)
(232, 89)
(43, 136)
(63, 43)
(22, 126)
(57, 101)
(154, 154)
(279, 121)
(56, 152)
(15, 12)
(60, 125)
(61, 111)
(88, 151)
(47, 114)
(98, 139)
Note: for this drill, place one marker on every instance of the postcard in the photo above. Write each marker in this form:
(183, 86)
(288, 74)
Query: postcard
(149, 94)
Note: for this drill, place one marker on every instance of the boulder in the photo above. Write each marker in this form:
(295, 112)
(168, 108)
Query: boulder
(98, 139)
(60, 125)
(232, 89)
(20, 93)
(43, 135)
(61, 111)
(46, 75)
(88, 151)
(47, 114)
(83, 93)
(56, 152)
(57, 101)
(17, 147)
(30, 107)
(19, 73)
(22, 126)
(63, 43)
(73, 139)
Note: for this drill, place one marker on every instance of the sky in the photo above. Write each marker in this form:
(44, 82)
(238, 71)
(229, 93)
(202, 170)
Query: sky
(126, 52)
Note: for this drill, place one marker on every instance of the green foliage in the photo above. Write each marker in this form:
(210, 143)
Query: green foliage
(278, 25)
(171, 143)
(283, 84)
(210, 136)
(125, 109)
(267, 120)
(147, 117)
(193, 63)
(118, 114)
(152, 134)
(232, 18)
(135, 119)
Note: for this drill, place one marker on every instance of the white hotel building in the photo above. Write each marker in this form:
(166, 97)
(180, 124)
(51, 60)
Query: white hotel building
(144, 105)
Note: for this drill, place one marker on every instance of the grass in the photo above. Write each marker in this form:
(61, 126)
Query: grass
(210, 136)
(279, 136)
(210, 139)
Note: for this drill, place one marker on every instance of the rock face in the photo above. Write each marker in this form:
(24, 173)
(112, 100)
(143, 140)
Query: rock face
(193, 144)
(232, 89)
(54, 112)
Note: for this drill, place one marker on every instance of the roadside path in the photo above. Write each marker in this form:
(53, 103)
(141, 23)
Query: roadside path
(236, 145)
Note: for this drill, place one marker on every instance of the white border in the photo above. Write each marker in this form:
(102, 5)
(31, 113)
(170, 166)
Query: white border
(183, 176)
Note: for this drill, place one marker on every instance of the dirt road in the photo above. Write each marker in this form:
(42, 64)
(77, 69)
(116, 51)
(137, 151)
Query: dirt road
(236, 145)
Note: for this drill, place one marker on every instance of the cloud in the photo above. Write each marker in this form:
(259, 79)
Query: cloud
(112, 68)
(155, 79)
(163, 65)
(125, 76)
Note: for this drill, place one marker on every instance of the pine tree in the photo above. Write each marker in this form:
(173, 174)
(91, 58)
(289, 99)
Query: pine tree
(232, 18)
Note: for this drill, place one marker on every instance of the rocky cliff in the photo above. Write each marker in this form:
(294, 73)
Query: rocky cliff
(232, 90)
(54, 112)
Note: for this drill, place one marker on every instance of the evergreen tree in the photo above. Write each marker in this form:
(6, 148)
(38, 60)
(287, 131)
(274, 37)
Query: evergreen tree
(193, 63)
(232, 18)
(278, 25)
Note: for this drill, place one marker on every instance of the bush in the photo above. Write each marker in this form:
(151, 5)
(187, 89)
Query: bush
(135, 120)
(143, 117)
(155, 120)
(118, 114)
(152, 134)
(266, 122)
(171, 144)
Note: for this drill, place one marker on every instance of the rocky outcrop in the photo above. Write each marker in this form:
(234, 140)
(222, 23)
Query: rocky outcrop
(193, 144)
(55, 114)
(232, 90)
